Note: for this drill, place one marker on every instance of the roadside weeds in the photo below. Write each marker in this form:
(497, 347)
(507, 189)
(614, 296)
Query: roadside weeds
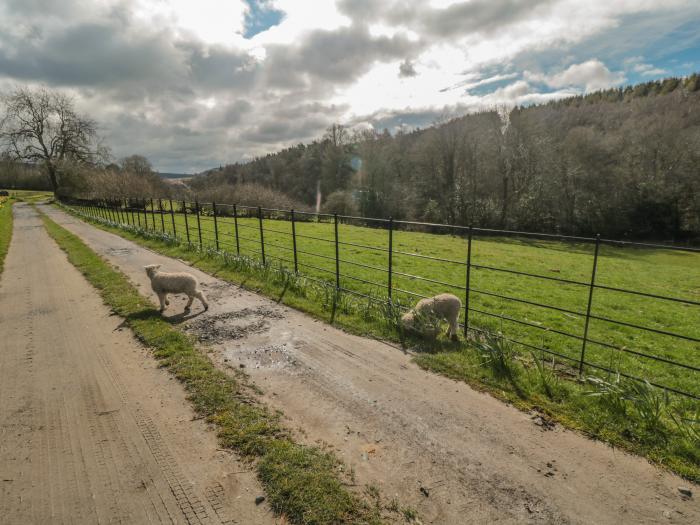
(5, 228)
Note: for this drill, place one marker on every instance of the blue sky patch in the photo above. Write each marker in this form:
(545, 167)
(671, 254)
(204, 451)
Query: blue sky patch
(260, 17)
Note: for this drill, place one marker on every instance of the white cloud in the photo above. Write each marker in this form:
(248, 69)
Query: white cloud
(211, 21)
(649, 70)
(471, 82)
(176, 80)
(591, 75)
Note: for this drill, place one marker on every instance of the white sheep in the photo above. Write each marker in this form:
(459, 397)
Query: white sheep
(425, 316)
(164, 283)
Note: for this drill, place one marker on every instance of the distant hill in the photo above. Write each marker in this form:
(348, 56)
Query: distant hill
(175, 175)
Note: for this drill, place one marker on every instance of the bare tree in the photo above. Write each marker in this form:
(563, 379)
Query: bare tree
(42, 127)
(137, 164)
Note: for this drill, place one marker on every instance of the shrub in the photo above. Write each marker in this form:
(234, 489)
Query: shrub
(340, 202)
(249, 194)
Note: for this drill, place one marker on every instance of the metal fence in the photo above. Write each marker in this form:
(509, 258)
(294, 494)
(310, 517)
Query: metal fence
(260, 232)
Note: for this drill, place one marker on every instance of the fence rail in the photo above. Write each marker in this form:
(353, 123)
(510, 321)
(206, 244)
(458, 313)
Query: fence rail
(221, 232)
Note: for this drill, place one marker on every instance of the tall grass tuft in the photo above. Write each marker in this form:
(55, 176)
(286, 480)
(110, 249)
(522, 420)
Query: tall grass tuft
(546, 377)
(498, 354)
(622, 396)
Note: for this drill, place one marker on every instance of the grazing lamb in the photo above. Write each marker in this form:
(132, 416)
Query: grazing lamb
(164, 283)
(425, 316)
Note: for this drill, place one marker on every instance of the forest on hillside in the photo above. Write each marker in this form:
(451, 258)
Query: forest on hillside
(624, 163)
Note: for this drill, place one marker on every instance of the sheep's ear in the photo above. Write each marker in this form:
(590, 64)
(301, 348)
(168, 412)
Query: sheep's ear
(156, 266)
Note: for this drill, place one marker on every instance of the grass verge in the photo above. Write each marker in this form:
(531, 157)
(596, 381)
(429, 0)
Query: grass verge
(5, 228)
(666, 430)
(304, 483)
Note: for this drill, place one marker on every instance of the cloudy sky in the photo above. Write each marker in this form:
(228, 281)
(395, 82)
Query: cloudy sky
(192, 84)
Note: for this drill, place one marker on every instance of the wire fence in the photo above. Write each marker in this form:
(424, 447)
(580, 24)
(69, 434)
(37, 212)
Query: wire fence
(570, 315)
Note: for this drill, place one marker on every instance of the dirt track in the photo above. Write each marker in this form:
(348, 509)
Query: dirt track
(476, 459)
(91, 431)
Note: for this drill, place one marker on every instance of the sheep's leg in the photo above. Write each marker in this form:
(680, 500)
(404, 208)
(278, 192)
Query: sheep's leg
(453, 328)
(202, 299)
(190, 298)
(163, 301)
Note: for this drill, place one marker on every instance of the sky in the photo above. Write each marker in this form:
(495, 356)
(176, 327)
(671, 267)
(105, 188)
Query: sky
(193, 84)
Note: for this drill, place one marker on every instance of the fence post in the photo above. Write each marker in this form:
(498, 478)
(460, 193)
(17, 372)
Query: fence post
(122, 211)
(172, 217)
(294, 243)
(153, 215)
(131, 209)
(235, 227)
(199, 224)
(262, 238)
(590, 301)
(162, 220)
(216, 226)
(126, 212)
(466, 294)
(337, 254)
(391, 254)
(187, 225)
(138, 214)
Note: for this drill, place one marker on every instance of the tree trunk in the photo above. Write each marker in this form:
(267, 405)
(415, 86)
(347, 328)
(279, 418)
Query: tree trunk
(53, 177)
(504, 207)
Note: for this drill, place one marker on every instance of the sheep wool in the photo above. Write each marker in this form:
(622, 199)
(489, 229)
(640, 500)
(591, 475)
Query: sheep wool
(164, 283)
(444, 306)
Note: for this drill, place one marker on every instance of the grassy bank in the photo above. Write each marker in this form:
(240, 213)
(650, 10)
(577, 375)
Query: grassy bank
(5, 228)
(655, 271)
(638, 418)
(304, 483)
(30, 196)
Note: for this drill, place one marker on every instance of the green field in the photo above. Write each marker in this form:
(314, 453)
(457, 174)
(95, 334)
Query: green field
(655, 271)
